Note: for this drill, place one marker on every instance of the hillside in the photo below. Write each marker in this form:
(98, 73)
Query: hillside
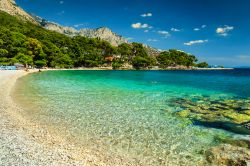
(34, 41)
(30, 44)
(10, 7)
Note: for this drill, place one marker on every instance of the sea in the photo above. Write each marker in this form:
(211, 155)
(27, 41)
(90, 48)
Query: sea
(135, 114)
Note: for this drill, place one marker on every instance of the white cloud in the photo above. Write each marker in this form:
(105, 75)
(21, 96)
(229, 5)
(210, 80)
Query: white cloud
(203, 26)
(190, 43)
(61, 2)
(136, 25)
(152, 40)
(175, 30)
(78, 25)
(223, 31)
(141, 26)
(163, 32)
(147, 15)
(166, 34)
(145, 26)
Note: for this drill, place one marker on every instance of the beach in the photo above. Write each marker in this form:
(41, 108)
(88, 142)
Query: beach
(23, 142)
(122, 135)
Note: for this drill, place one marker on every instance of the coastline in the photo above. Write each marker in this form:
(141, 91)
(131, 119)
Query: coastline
(132, 69)
(24, 142)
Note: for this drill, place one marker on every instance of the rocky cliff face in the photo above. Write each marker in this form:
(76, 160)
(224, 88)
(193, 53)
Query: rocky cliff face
(102, 33)
(105, 34)
(9, 6)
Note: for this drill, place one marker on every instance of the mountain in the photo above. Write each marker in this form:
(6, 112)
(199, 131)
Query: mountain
(102, 33)
(10, 7)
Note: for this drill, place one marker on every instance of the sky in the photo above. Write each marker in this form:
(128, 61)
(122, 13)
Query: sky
(216, 31)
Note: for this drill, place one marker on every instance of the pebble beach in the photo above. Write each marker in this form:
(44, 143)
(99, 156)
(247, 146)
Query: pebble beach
(23, 142)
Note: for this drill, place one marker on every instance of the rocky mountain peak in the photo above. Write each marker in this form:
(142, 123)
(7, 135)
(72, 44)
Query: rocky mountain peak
(10, 7)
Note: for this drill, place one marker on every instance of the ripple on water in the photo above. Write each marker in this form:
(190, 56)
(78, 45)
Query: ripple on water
(128, 116)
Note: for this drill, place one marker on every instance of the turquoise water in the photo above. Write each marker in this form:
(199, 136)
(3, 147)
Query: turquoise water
(129, 113)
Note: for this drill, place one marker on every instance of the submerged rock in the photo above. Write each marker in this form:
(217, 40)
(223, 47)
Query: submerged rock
(227, 155)
(232, 115)
(232, 127)
(238, 142)
(246, 125)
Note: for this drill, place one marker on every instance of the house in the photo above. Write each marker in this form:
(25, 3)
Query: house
(109, 58)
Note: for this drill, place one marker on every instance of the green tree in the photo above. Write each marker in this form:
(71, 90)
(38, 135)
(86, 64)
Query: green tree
(40, 63)
(125, 50)
(139, 62)
(203, 65)
(139, 50)
(3, 52)
(164, 59)
(23, 59)
(62, 61)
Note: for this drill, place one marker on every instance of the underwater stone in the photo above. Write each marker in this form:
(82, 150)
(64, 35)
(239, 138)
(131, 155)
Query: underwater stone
(184, 113)
(227, 155)
(232, 111)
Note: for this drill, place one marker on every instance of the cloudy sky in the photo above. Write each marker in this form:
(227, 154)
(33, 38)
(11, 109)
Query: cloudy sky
(217, 31)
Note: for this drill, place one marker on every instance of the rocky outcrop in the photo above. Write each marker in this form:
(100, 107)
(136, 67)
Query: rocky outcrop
(231, 114)
(10, 7)
(153, 52)
(102, 33)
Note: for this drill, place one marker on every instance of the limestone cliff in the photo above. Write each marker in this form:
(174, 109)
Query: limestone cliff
(10, 6)
(102, 33)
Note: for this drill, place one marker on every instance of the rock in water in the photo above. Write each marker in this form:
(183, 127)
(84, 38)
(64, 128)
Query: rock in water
(227, 155)
(246, 125)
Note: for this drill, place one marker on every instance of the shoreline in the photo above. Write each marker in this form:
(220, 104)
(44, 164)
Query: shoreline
(24, 142)
(159, 69)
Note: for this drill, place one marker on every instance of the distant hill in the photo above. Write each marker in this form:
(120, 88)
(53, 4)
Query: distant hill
(10, 7)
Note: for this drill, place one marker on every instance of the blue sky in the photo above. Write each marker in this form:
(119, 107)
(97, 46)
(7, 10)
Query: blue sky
(216, 31)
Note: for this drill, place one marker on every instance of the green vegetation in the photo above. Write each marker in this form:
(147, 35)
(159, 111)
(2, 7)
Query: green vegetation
(175, 58)
(29, 44)
(203, 65)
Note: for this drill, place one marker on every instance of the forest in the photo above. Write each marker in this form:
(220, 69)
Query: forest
(31, 45)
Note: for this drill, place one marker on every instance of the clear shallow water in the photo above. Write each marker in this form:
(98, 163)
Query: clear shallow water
(127, 113)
